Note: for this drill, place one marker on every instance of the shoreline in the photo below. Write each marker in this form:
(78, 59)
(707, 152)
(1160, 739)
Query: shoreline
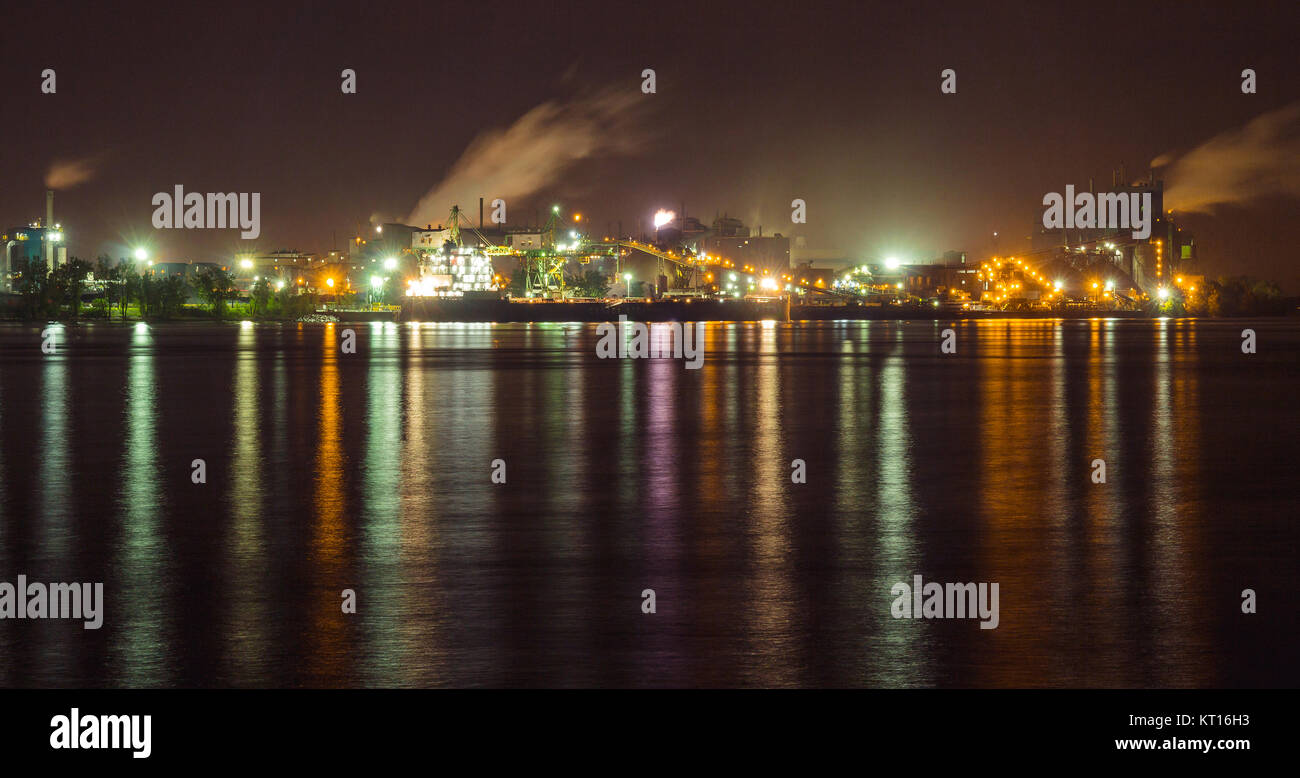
(840, 316)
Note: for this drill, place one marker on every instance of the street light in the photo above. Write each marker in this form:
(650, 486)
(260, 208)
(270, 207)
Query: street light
(141, 254)
(390, 263)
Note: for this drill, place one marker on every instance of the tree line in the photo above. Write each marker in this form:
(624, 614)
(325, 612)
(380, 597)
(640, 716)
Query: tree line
(114, 288)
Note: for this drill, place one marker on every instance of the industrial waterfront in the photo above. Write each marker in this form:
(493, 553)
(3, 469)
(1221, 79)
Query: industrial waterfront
(563, 269)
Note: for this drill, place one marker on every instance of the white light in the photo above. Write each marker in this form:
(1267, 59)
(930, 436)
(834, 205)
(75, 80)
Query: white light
(1163, 293)
(390, 263)
(891, 263)
(663, 217)
(246, 263)
(141, 254)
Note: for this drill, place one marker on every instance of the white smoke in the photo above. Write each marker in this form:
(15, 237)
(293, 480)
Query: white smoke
(535, 151)
(67, 173)
(1259, 160)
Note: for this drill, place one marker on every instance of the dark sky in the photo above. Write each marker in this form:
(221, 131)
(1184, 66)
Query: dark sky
(757, 104)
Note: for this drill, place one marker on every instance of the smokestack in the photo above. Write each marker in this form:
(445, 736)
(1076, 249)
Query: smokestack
(480, 213)
(49, 207)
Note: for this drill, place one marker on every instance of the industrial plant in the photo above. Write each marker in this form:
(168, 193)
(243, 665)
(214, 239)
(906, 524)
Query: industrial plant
(472, 270)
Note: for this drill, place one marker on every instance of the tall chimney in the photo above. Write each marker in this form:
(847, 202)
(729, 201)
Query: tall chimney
(480, 213)
(49, 208)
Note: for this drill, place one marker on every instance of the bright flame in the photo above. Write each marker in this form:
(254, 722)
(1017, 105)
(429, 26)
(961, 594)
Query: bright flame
(663, 217)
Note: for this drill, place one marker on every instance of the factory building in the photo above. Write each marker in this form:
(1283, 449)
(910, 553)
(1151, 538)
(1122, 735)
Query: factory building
(731, 239)
(1150, 262)
(41, 241)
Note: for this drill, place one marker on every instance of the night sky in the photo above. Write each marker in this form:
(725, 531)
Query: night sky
(757, 104)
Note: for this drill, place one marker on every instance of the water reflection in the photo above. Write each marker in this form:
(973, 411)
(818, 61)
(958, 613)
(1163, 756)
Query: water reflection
(328, 653)
(147, 623)
(371, 471)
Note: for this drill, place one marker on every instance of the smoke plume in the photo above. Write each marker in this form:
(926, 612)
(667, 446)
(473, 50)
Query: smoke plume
(535, 151)
(1259, 160)
(67, 173)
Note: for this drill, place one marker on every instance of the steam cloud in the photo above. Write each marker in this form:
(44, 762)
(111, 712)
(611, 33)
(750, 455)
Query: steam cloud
(67, 173)
(1259, 160)
(532, 153)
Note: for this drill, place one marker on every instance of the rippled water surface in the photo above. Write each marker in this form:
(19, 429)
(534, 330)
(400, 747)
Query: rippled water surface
(372, 471)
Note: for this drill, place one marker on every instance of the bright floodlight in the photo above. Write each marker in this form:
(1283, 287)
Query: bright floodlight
(246, 263)
(141, 254)
(891, 263)
(1163, 293)
(663, 217)
(390, 263)
(376, 281)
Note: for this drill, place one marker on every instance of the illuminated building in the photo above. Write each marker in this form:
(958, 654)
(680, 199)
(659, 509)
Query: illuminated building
(41, 241)
(453, 272)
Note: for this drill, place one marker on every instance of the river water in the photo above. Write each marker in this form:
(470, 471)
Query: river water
(372, 471)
